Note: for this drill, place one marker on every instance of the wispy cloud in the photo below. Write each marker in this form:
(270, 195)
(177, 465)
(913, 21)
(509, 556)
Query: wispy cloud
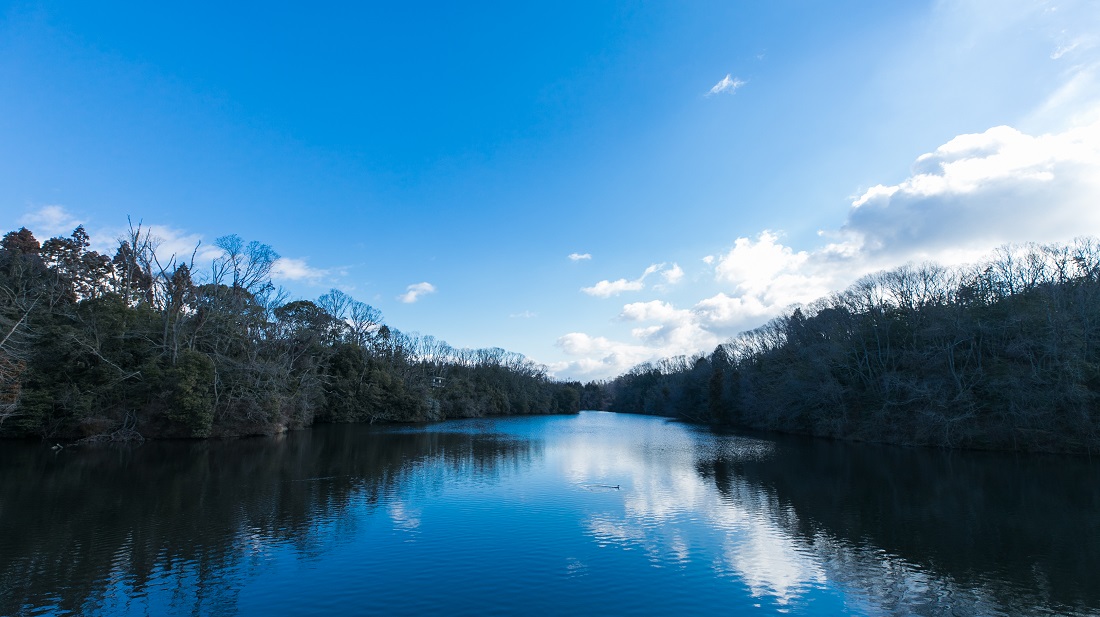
(415, 291)
(673, 275)
(1062, 50)
(580, 256)
(1080, 42)
(606, 288)
(524, 315)
(728, 84)
(50, 221)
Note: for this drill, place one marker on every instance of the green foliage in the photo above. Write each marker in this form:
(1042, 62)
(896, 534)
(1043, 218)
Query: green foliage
(189, 393)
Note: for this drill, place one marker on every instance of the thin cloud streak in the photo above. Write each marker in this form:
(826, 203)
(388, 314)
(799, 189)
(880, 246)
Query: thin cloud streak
(728, 84)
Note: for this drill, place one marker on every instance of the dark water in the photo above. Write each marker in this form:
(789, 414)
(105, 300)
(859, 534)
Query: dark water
(522, 516)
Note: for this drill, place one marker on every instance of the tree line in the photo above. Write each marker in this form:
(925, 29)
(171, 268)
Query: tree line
(142, 344)
(1000, 355)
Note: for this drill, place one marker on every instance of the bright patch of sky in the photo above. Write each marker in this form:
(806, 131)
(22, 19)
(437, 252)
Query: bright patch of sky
(699, 166)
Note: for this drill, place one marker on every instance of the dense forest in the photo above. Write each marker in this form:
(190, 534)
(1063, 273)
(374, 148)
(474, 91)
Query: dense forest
(141, 344)
(1001, 355)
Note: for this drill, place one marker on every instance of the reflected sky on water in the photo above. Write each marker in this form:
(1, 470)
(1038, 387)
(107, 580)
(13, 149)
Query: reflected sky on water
(544, 515)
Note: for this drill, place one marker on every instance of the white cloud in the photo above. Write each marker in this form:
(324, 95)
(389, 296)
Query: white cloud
(578, 343)
(606, 288)
(676, 332)
(766, 272)
(763, 276)
(50, 221)
(675, 339)
(980, 190)
(523, 315)
(598, 356)
(580, 256)
(654, 310)
(729, 84)
(972, 194)
(722, 312)
(415, 291)
(296, 270)
(752, 265)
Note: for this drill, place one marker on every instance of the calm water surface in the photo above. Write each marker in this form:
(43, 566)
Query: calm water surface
(590, 514)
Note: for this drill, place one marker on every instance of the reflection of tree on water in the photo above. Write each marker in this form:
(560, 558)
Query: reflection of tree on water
(83, 520)
(895, 531)
(927, 532)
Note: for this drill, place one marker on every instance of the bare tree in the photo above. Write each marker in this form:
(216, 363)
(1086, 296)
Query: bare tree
(14, 346)
(244, 266)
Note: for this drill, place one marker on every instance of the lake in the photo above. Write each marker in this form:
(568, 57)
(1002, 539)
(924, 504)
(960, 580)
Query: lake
(596, 513)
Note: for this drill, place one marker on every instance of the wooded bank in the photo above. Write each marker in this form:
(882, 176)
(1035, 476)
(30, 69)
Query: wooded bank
(1002, 355)
(142, 344)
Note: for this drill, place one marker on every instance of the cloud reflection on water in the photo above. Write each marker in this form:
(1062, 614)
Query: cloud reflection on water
(672, 509)
(667, 504)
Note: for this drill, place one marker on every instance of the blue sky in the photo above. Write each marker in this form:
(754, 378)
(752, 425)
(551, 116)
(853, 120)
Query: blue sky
(705, 163)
